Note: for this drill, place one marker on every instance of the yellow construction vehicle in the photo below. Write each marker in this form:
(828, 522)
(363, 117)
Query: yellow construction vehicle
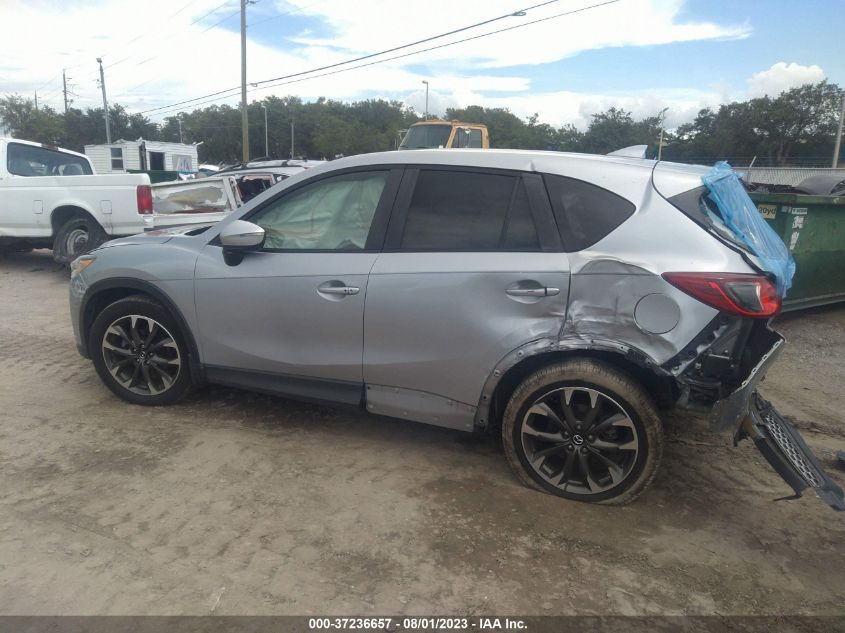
(437, 134)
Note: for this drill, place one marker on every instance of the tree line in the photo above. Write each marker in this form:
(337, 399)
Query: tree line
(796, 127)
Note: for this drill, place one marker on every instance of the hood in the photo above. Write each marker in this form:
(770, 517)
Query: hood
(159, 236)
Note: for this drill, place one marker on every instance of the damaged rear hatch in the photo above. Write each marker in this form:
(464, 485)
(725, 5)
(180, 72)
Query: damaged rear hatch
(716, 200)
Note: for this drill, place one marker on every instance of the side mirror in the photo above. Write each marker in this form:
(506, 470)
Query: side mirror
(242, 236)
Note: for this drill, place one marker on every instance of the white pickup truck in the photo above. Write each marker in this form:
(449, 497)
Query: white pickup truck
(51, 198)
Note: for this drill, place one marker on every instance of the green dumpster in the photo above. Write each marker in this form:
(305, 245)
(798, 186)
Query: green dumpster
(813, 228)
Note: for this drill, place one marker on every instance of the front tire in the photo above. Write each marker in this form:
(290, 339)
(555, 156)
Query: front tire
(139, 352)
(583, 430)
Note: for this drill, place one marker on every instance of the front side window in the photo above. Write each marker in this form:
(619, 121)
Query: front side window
(469, 211)
(116, 158)
(585, 213)
(331, 214)
(28, 160)
(467, 137)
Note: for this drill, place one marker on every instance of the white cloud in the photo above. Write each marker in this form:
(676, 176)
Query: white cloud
(163, 54)
(783, 76)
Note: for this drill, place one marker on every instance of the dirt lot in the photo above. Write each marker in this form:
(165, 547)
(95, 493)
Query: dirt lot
(234, 503)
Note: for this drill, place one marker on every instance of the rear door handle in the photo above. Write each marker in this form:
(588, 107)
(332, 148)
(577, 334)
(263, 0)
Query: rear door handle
(533, 292)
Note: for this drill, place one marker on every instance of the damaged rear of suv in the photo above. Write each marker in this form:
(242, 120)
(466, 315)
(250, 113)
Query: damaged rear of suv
(719, 370)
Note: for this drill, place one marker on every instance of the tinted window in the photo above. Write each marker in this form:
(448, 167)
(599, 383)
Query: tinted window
(585, 213)
(453, 210)
(27, 160)
(331, 214)
(520, 232)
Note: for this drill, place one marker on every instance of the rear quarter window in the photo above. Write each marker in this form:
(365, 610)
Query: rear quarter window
(585, 213)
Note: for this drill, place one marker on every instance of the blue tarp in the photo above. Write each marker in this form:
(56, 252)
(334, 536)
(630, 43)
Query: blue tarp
(741, 217)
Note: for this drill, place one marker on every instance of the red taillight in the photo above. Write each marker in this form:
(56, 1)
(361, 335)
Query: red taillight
(145, 199)
(743, 294)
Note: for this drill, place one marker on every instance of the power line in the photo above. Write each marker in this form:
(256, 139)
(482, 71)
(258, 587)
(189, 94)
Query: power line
(168, 109)
(281, 15)
(231, 15)
(517, 13)
(175, 33)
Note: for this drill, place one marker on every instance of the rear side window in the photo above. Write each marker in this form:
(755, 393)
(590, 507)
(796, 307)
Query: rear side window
(29, 160)
(584, 212)
(469, 211)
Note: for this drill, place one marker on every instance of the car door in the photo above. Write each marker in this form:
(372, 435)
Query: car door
(472, 269)
(289, 316)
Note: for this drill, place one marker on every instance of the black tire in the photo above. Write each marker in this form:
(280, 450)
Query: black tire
(612, 472)
(140, 363)
(77, 236)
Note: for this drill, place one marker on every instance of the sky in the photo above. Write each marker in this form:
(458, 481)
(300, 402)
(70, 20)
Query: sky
(575, 59)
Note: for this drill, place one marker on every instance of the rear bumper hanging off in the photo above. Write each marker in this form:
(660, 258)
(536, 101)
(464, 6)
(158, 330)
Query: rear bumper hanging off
(785, 449)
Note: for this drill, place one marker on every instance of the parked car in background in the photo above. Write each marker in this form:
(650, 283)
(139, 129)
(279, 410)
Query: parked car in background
(435, 134)
(257, 176)
(198, 201)
(51, 198)
(561, 300)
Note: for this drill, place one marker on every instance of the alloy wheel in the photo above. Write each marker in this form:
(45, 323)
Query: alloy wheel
(580, 440)
(141, 355)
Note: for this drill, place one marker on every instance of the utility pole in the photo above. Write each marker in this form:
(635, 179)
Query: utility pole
(244, 120)
(425, 81)
(839, 134)
(105, 101)
(64, 87)
(179, 121)
(266, 135)
(291, 138)
(660, 143)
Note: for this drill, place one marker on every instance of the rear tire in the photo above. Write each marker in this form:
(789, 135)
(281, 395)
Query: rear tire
(585, 431)
(139, 352)
(77, 236)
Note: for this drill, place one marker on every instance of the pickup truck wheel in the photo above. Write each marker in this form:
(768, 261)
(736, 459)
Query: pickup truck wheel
(582, 430)
(76, 237)
(139, 352)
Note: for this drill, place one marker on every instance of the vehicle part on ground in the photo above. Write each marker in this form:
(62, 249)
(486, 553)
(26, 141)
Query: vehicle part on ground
(583, 430)
(785, 449)
(139, 353)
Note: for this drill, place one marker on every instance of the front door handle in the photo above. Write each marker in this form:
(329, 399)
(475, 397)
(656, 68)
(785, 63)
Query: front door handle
(338, 290)
(533, 292)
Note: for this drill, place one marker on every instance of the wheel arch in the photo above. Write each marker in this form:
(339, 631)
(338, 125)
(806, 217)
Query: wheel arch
(65, 212)
(107, 291)
(514, 367)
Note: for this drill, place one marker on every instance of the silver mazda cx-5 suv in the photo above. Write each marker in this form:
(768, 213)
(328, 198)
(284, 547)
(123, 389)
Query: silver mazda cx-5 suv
(562, 300)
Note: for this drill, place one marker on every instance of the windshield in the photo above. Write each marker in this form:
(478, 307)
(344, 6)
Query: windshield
(426, 137)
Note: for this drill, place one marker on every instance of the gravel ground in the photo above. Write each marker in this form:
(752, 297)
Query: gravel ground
(236, 503)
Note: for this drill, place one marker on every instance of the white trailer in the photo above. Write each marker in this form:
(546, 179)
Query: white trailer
(118, 157)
